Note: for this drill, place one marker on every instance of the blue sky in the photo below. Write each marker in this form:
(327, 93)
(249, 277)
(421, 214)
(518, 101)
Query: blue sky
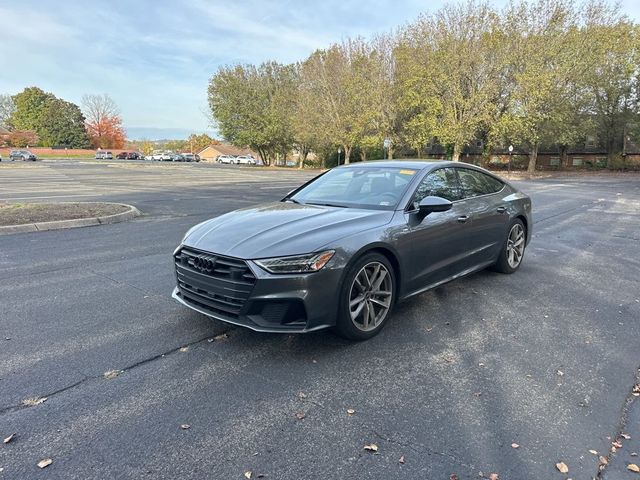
(155, 57)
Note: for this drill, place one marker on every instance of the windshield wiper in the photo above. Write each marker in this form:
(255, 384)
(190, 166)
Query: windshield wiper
(327, 204)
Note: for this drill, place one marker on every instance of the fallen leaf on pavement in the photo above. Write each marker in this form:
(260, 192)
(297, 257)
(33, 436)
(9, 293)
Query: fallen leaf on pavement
(633, 467)
(636, 390)
(32, 402)
(302, 395)
(562, 467)
(493, 476)
(9, 438)
(44, 463)
(185, 426)
(184, 349)
(401, 460)
(222, 336)
(248, 474)
(300, 415)
(453, 476)
(109, 374)
(603, 460)
(626, 436)
(350, 411)
(515, 445)
(593, 452)
(372, 447)
(560, 373)
(633, 454)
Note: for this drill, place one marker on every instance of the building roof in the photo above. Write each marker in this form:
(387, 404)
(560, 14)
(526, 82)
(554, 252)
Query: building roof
(226, 149)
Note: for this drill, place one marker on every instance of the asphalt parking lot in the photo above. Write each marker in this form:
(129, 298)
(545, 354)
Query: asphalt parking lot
(545, 359)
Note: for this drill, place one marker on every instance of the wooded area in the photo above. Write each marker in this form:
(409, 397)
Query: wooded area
(536, 73)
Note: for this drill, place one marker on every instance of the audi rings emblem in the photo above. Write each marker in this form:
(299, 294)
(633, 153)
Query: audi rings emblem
(204, 263)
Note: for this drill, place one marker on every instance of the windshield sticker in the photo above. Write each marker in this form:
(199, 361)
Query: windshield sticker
(407, 172)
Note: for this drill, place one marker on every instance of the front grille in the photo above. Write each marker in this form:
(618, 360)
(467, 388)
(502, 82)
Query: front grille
(213, 282)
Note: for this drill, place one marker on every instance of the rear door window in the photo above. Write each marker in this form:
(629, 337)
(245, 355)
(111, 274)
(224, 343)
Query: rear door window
(475, 183)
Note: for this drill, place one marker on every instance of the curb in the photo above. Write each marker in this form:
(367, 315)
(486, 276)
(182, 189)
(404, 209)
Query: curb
(75, 223)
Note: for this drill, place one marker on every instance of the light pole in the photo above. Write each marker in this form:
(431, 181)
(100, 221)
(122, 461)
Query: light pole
(339, 152)
(510, 152)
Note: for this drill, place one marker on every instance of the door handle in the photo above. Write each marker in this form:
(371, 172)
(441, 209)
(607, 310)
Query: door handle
(501, 209)
(463, 218)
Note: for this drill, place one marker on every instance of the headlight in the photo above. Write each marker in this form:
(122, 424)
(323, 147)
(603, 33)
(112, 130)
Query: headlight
(311, 262)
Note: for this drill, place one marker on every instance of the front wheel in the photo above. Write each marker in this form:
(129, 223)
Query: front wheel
(366, 298)
(512, 251)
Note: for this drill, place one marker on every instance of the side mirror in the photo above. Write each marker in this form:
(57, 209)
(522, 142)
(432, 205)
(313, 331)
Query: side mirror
(432, 204)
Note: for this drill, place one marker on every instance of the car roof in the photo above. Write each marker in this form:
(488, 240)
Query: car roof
(414, 164)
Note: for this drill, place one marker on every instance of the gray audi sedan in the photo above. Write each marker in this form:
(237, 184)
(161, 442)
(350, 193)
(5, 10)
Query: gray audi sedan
(343, 248)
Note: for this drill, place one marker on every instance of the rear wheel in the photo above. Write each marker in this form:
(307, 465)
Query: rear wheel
(367, 297)
(512, 251)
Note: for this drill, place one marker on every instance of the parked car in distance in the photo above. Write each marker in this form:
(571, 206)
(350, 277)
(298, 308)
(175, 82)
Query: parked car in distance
(166, 156)
(341, 250)
(134, 156)
(104, 155)
(226, 159)
(191, 157)
(122, 155)
(176, 157)
(245, 160)
(22, 155)
(156, 155)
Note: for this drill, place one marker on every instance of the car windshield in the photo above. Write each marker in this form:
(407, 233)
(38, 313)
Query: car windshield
(379, 188)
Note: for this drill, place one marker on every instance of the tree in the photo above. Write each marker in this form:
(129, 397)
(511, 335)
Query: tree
(23, 138)
(253, 106)
(612, 81)
(55, 122)
(196, 143)
(103, 121)
(62, 124)
(451, 74)
(30, 105)
(7, 107)
(545, 58)
(337, 88)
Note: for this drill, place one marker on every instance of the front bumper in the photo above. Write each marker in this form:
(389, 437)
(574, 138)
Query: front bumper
(273, 303)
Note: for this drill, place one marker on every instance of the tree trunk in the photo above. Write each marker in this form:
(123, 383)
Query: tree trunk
(363, 155)
(347, 155)
(563, 157)
(390, 152)
(263, 156)
(456, 153)
(303, 157)
(533, 158)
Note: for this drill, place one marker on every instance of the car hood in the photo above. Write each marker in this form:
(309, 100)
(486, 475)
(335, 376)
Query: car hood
(279, 229)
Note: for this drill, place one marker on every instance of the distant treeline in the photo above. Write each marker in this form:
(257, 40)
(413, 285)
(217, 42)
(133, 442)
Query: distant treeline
(534, 74)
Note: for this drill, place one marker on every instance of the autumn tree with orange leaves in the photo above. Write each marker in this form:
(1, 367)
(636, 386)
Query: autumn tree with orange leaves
(103, 121)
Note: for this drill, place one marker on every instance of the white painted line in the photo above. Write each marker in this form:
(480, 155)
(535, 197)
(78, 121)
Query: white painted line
(51, 196)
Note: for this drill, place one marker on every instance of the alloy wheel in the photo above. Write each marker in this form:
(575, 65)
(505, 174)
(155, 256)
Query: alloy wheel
(515, 245)
(370, 296)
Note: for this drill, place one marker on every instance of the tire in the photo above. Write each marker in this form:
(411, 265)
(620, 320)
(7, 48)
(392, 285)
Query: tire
(351, 322)
(513, 248)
